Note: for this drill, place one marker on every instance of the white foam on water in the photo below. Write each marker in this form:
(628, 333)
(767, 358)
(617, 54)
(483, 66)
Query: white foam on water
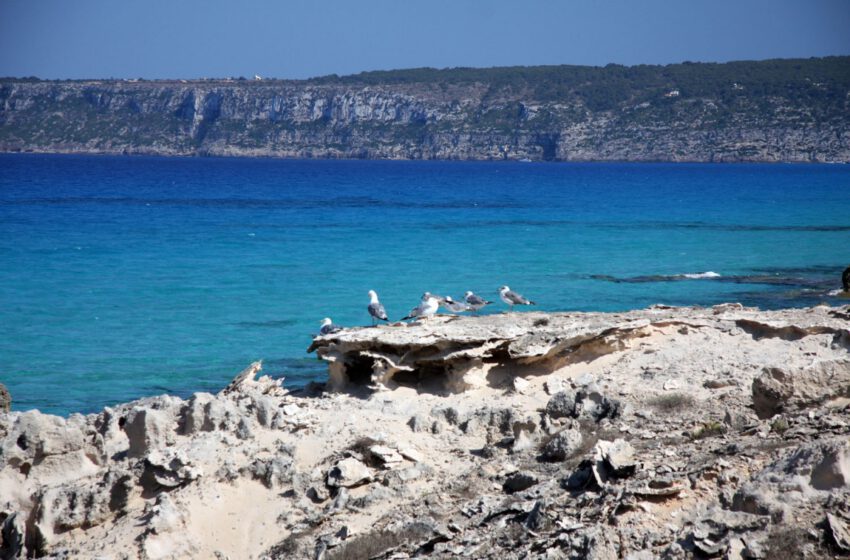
(699, 275)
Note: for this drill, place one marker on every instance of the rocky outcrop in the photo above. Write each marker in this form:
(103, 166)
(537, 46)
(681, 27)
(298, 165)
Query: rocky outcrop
(460, 353)
(632, 435)
(5, 399)
(778, 389)
(553, 114)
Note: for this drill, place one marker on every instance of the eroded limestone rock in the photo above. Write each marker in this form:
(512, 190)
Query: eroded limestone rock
(778, 389)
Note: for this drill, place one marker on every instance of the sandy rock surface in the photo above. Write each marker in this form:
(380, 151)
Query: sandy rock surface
(666, 432)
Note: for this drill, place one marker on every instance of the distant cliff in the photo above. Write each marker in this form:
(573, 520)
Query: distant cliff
(776, 110)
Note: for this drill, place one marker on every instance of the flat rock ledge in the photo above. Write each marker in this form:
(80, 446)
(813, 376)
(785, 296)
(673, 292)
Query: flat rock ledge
(672, 433)
(456, 353)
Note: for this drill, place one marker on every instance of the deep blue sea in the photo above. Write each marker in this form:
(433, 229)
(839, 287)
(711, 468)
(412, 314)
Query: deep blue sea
(122, 277)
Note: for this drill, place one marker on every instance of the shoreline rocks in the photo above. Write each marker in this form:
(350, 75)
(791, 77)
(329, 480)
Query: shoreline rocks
(620, 444)
(5, 399)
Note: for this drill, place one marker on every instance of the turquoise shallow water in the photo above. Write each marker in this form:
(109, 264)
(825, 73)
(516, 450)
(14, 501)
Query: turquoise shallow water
(126, 277)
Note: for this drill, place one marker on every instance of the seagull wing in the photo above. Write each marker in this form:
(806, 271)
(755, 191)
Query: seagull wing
(377, 311)
(516, 298)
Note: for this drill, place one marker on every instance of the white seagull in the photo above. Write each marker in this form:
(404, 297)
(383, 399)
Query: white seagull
(512, 298)
(454, 306)
(328, 327)
(426, 308)
(376, 308)
(475, 302)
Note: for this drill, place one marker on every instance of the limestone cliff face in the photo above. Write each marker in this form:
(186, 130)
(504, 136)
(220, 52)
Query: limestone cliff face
(467, 120)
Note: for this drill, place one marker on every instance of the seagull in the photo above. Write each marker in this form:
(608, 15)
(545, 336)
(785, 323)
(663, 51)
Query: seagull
(376, 308)
(454, 306)
(512, 298)
(475, 302)
(426, 308)
(328, 327)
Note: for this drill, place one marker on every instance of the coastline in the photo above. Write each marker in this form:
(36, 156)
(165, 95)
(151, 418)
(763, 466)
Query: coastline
(662, 432)
(757, 111)
(709, 160)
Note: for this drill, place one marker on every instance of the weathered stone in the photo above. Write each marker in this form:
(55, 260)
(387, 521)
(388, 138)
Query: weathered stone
(562, 446)
(520, 481)
(719, 383)
(5, 399)
(398, 478)
(34, 436)
(420, 423)
(385, 456)
(318, 493)
(170, 468)
(274, 471)
(839, 532)
(267, 408)
(618, 456)
(562, 405)
(778, 389)
(147, 429)
(12, 535)
(553, 385)
(349, 473)
(194, 415)
(755, 548)
(410, 453)
(590, 403)
(520, 385)
(825, 463)
(500, 418)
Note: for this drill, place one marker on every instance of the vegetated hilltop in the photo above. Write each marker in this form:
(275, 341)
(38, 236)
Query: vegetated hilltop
(774, 110)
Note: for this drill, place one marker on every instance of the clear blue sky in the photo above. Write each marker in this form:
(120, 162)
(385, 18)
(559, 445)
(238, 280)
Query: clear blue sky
(302, 38)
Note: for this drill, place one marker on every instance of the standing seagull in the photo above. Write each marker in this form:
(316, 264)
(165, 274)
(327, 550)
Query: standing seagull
(426, 308)
(512, 298)
(475, 302)
(376, 308)
(328, 327)
(454, 306)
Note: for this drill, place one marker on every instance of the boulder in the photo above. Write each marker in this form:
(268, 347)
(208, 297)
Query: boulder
(273, 472)
(780, 389)
(592, 404)
(619, 456)
(349, 473)
(587, 402)
(562, 405)
(520, 481)
(562, 446)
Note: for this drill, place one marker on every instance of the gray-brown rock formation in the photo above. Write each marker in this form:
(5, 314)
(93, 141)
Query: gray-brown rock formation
(5, 399)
